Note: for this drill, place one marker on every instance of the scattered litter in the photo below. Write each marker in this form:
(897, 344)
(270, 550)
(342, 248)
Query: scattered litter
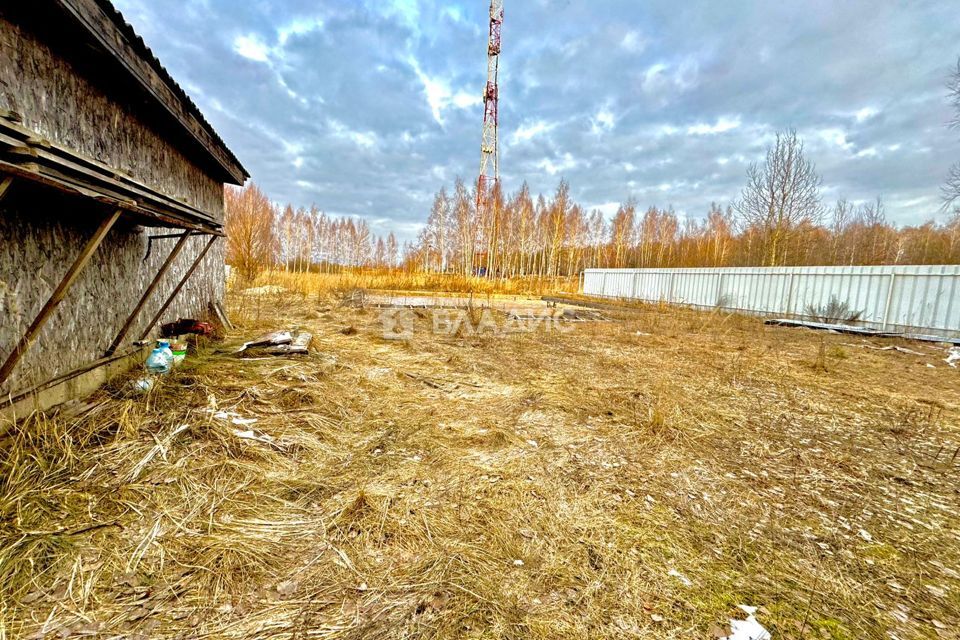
(748, 629)
(953, 357)
(258, 436)
(891, 347)
(179, 350)
(902, 350)
(142, 385)
(829, 326)
(241, 421)
(185, 326)
(299, 345)
(642, 333)
(656, 617)
(863, 533)
(679, 576)
(268, 339)
(865, 331)
(158, 363)
(518, 563)
(279, 343)
(930, 366)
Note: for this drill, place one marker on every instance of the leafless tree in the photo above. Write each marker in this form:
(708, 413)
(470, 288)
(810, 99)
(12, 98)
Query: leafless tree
(251, 243)
(781, 195)
(951, 190)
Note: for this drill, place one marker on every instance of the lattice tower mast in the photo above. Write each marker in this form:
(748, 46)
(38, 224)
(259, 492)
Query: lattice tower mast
(489, 143)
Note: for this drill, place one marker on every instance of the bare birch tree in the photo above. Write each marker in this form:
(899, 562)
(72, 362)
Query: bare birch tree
(951, 190)
(781, 195)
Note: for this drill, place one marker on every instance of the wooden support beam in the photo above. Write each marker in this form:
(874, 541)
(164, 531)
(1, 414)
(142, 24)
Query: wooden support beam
(58, 294)
(4, 185)
(183, 281)
(149, 292)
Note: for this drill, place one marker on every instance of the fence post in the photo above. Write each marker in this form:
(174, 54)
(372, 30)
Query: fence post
(886, 307)
(789, 304)
(718, 301)
(673, 277)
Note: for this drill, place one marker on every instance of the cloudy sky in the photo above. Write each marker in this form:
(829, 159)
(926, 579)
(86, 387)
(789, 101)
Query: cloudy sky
(368, 107)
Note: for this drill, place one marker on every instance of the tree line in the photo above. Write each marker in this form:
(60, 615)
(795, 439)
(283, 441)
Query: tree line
(262, 235)
(522, 236)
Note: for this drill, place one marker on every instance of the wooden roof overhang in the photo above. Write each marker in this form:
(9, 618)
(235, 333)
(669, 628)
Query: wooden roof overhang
(26, 156)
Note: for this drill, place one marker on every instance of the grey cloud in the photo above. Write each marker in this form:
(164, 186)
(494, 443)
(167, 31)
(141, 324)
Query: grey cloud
(341, 111)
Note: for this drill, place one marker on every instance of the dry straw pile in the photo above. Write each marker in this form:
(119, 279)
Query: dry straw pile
(637, 478)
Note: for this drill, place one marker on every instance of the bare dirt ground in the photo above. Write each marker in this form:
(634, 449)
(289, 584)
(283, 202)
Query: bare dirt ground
(635, 478)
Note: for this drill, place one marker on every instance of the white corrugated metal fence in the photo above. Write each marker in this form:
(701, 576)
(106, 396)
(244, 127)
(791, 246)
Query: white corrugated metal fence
(893, 298)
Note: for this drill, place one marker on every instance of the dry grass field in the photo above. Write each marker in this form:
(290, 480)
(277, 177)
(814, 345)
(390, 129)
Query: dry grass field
(638, 477)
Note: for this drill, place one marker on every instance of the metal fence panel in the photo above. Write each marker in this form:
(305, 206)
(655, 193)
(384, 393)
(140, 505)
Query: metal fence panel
(924, 298)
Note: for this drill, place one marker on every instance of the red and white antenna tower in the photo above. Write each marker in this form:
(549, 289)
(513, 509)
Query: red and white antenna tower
(489, 147)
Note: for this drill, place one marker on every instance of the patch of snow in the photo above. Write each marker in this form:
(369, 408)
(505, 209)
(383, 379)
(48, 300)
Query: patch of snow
(679, 576)
(748, 629)
(953, 357)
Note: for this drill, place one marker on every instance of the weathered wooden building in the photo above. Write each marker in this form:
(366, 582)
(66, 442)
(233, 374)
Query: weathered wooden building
(111, 198)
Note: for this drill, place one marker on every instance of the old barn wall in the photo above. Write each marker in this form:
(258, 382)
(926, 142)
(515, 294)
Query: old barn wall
(41, 233)
(88, 319)
(61, 105)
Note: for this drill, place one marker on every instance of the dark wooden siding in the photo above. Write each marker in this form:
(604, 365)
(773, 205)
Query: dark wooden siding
(60, 104)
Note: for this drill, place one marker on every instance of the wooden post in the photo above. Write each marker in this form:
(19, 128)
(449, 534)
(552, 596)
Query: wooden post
(5, 185)
(183, 281)
(181, 243)
(57, 296)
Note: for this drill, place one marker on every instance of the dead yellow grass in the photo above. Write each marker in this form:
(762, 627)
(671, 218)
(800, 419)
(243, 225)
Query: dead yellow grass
(529, 485)
(326, 283)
